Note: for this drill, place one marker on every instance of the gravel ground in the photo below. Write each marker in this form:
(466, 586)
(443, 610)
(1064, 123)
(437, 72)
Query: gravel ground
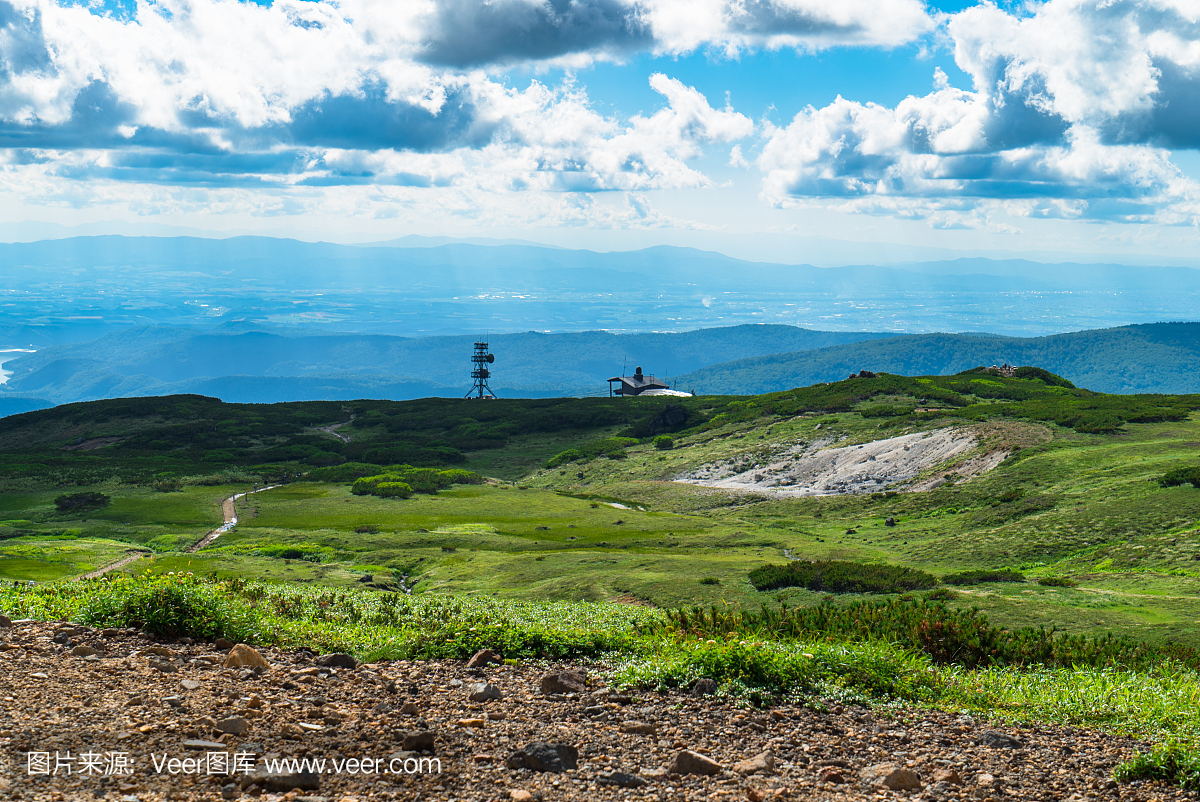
(118, 717)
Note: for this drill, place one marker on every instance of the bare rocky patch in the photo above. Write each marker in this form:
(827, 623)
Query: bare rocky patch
(822, 468)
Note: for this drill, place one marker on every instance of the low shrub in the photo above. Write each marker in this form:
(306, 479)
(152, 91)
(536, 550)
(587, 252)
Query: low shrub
(71, 502)
(710, 580)
(1181, 476)
(1057, 582)
(611, 447)
(838, 576)
(976, 577)
(171, 606)
(664, 442)
(401, 481)
(962, 637)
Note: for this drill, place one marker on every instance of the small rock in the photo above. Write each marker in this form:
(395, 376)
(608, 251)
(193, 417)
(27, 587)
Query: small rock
(475, 723)
(542, 756)
(985, 780)
(417, 741)
(222, 644)
(652, 773)
(485, 692)
(483, 657)
(622, 780)
(891, 776)
(162, 666)
(204, 746)
(191, 684)
(520, 795)
(109, 632)
(947, 776)
(762, 763)
(336, 660)
(243, 656)
(890, 522)
(704, 687)
(234, 725)
(832, 775)
(564, 682)
(382, 707)
(689, 762)
(84, 651)
(172, 701)
(637, 728)
(999, 740)
(282, 782)
(5, 621)
(409, 709)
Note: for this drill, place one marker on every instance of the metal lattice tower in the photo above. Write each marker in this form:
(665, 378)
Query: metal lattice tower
(480, 360)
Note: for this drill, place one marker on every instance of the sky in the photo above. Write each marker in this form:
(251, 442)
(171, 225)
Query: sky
(823, 131)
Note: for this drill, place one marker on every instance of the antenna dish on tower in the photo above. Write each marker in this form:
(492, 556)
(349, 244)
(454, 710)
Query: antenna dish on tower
(480, 358)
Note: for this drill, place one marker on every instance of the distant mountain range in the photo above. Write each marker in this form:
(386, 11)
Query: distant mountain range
(247, 364)
(71, 290)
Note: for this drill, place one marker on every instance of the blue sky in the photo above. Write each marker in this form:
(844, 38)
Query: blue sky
(795, 130)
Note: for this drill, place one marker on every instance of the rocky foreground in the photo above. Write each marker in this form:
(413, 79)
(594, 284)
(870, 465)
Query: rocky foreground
(115, 714)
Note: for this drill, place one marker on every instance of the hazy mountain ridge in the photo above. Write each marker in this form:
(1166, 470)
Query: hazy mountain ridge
(111, 282)
(1157, 358)
(227, 362)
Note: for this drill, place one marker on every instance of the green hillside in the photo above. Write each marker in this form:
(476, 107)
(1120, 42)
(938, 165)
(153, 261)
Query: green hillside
(1012, 546)
(1155, 358)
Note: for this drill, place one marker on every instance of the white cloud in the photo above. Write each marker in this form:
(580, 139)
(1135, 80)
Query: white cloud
(1065, 118)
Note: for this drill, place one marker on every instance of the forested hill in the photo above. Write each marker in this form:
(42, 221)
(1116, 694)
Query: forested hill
(1154, 358)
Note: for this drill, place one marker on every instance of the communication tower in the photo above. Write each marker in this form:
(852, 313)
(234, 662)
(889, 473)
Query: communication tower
(480, 360)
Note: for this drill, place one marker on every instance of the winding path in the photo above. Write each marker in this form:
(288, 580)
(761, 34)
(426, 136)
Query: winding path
(130, 556)
(229, 511)
(333, 430)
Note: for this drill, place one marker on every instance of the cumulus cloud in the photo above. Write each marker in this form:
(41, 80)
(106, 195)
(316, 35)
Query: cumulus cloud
(1069, 115)
(223, 92)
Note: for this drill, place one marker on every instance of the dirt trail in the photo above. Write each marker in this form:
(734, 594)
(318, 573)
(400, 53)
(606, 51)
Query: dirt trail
(817, 469)
(130, 556)
(333, 429)
(229, 511)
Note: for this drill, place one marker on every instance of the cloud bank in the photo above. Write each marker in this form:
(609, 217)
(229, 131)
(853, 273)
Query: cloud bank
(1071, 114)
(1073, 108)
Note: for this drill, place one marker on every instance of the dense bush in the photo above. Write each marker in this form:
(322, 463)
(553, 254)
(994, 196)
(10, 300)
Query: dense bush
(401, 481)
(1181, 476)
(962, 637)
(72, 502)
(664, 443)
(173, 605)
(837, 576)
(975, 577)
(611, 447)
(1057, 582)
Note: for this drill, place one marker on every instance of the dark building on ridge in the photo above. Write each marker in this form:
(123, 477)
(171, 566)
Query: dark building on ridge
(640, 384)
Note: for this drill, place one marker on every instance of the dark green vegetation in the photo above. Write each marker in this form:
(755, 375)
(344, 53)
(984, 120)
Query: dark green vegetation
(1079, 568)
(947, 636)
(980, 576)
(840, 576)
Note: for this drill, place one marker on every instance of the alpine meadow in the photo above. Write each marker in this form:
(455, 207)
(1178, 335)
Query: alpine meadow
(599, 400)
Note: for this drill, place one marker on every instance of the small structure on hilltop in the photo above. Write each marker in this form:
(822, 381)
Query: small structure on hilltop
(641, 384)
(1004, 370)
(480, 360)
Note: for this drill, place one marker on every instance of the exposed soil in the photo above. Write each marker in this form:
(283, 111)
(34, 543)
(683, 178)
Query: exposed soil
(146, 700)
(130, 556)
(820, 468)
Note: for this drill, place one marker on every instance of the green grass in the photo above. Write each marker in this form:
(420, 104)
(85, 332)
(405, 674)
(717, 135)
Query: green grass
(45, 559)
